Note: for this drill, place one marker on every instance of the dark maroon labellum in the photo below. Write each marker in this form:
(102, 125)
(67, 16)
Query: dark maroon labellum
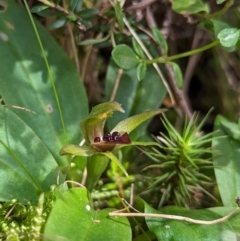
(107, 137)
(124, 139)
(115, 136)
(97, 139)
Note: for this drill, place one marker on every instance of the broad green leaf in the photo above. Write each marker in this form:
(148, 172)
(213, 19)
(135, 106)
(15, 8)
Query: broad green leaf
(93, 125)
(226, 162)
(177, 74)
(27, 168)
(24, 81)
(133, 122)
(141, 70)
(74, 218)
(119, 15)
(231, 129)
(228, 37)
(160, 39)
(189, 6)
(174, 230)
(234, 220)
(124, 57)
(137, 48)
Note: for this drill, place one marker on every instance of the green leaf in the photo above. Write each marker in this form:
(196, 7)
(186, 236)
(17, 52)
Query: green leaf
(77, 150)
(75, 5)
(124, 57)
(231, 129)
(137, 48)
(58, 24)
(93, 41)
(177, 74)
(93, 125)
(82, 222)
(189, 6)
(96, 165)
(218, 26)
(141, 70)
(119, 15)
(234, 220)
(38, 8)
(174, 230)
(24, 81)
(160, 39)
(27, 167)
(220, 1)
(114, 159)
(228, 37)
(226, 161)
(133, 122)
(87, 14)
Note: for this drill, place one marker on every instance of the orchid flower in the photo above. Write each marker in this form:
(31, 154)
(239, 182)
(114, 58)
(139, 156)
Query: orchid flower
(99, 146)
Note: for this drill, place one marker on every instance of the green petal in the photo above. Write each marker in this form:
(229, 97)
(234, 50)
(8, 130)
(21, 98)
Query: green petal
(137, 143)
(77, 150)
(133, 122)
(93, 126)
(114, 159)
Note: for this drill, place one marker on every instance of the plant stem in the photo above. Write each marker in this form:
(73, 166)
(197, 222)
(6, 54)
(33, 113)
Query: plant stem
(178, 56)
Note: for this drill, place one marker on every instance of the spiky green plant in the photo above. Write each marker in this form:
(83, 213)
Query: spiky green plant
(181, 162)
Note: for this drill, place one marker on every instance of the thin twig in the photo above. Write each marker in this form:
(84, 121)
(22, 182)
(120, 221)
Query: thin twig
(172, 217)
(150, 57)
(116, 84)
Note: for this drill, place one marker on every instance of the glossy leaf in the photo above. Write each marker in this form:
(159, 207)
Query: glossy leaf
(174, 230)
(218, 26)
(160, 39)
(228, 37)
(27, 168)
(124, 57)
(177, 74)
(74, 218)
(141, 71)
(234, 220)
(137, 48)
(24, 81)
(226, 162)
(189, 6)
